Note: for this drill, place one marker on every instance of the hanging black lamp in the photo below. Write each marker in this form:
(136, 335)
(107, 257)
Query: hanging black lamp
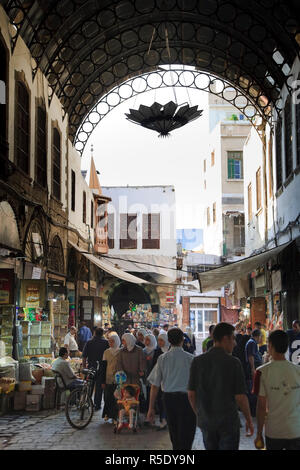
(164, 118)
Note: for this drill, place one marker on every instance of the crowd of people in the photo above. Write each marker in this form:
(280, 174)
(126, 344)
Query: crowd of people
(240, 369)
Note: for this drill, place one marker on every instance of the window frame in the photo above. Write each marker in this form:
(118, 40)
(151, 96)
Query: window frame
(150, 243)
(232, 157)
(128, 243)
(41, 148)
(56, 151)
(22, 115)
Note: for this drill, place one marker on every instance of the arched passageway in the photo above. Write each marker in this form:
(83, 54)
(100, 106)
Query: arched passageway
(126, 293)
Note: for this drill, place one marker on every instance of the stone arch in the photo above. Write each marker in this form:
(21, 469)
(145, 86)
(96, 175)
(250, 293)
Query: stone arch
(34, 245)
(56, 258)
(9, 229)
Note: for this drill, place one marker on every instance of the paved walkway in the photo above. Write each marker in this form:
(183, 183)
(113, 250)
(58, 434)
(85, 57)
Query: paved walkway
(49, 430)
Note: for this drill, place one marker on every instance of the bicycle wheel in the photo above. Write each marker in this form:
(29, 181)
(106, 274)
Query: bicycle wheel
(79, 409)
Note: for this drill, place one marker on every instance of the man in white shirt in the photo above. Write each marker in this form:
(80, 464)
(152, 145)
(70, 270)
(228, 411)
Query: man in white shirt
(277, 385)
(70, 342)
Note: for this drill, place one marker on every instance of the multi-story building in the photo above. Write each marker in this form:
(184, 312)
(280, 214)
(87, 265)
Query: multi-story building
(272, 195)
(222, 181)
(142, 241)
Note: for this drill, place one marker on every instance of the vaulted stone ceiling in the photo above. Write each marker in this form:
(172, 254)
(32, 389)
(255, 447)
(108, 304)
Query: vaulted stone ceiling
(87, 47)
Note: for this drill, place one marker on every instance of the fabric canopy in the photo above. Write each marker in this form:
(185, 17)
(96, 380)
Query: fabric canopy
(116, 272)
(219, 277)
(157, 264)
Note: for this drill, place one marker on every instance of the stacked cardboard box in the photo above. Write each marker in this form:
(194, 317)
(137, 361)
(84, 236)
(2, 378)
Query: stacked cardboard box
(48, 383)
(20, 401)
(33, 402)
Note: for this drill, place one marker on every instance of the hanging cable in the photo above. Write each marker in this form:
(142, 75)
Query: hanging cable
(170, 69)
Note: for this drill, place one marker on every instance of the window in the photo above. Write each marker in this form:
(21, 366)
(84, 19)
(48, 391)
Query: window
(92, 214)
(41, 147)
(270, 165)
(239, 231)
(84, 207)
(214, 213)
(235, 165)
(73, 190)
(56, 165)
(278, 135)
(212, 158)
(288, 137)
(151, 231)
(22, 128)
(111, 230)
(204, 166)
(249, 202)
(208, 216)
(128, 231)
(258, 189)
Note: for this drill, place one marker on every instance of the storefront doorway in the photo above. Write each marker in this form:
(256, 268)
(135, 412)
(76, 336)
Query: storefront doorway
(201, 317)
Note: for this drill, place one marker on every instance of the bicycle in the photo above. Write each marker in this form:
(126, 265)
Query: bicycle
(79, 407)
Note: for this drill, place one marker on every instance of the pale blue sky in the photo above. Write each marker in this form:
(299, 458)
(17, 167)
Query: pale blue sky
(125, 153)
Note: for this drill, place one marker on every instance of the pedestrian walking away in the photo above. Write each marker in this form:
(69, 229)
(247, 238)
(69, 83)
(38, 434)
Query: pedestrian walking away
(92, 357)
(171, 373)
(216, 390)
(277, 385)
(84, 335)
(253, 360)
(110, 362)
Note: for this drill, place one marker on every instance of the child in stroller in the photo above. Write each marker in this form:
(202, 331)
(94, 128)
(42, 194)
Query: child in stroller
(128, 404)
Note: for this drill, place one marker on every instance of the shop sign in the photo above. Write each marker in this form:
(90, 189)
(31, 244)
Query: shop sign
(32, 297)
(170, 297)
(36, 273)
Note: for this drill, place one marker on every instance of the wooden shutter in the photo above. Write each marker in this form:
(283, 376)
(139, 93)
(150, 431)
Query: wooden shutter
(73, 192)
(151, 231)
(92, 214)
(22, 128)
(278, 154)
(258, 189)
(288, 137)
(56, 165)
(41, 147)
(128, 231)
(84, 207)
(249, 202)
(111, 230)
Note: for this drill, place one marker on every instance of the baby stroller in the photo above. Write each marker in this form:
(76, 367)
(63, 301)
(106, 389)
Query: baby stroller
(128, 416)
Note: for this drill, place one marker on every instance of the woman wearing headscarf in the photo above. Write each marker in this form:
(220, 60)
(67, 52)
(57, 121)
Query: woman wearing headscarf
(141, 337)
(110, 359)
(149, 351)
(131, 359)
(163, 346)
(189, 344)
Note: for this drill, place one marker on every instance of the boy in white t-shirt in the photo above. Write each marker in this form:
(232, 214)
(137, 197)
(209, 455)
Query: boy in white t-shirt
(277, 385)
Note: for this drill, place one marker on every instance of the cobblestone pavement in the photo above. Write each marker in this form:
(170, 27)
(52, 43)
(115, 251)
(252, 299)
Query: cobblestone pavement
(50, 430)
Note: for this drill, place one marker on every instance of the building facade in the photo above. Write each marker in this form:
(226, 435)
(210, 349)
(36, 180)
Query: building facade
(222, 182)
